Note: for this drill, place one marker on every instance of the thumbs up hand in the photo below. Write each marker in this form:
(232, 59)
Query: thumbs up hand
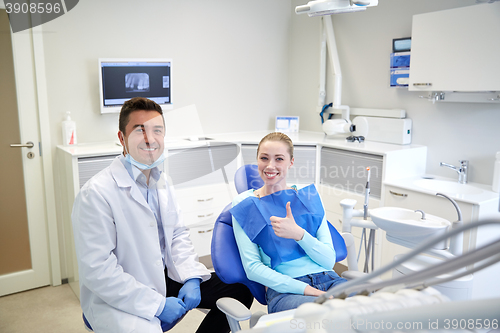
(286, 227)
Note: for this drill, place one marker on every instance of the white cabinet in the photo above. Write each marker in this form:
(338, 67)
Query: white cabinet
(200, 206)
(456, 50)
(485, 282)
(203, 180)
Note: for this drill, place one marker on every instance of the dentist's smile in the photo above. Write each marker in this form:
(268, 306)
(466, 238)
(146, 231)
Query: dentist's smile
(148, 149)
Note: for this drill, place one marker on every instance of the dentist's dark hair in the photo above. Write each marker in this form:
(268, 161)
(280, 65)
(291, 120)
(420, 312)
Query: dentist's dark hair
(277, 136)
(136, 104)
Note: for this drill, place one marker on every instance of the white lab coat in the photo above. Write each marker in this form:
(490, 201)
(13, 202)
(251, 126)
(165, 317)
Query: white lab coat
(120, 264)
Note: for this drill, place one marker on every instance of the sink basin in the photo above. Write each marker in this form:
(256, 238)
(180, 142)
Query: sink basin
(445, 186)
(408, 225)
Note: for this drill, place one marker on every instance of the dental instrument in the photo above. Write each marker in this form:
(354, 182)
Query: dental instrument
(370, 247)
(489, 250)
(424, 306)
(367, 194)
(414, 281)
(348, 212)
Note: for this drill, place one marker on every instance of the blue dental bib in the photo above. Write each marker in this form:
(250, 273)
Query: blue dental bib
(253, 214)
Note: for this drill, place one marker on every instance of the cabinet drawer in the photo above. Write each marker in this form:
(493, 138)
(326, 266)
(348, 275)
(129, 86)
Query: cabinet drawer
(249, 153)
(201, 189)
(201, 236)
(202, 217)
(303, 170)
(431, 204)
(202, 201)
(346, 171)
(207, 165)
(88, 167)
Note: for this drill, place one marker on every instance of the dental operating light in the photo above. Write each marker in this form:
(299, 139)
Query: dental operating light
(325, 8)
(329, 7)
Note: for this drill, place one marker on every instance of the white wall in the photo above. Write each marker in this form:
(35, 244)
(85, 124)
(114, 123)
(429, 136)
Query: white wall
(230, 59)
(451, 131)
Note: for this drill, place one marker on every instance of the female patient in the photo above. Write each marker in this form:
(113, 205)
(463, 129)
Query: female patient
(282, 233)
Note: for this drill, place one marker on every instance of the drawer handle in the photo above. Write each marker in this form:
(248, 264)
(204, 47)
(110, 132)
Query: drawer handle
(398, 194)
(205, 231)
(205, 200)
(207, 215)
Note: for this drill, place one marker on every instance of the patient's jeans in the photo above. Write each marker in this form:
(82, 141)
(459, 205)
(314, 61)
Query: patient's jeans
(280, 302)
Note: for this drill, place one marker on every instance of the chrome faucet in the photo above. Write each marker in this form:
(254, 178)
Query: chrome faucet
(462, 170)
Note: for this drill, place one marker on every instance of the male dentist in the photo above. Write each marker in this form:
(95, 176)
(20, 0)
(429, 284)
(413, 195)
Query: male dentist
(138, 269)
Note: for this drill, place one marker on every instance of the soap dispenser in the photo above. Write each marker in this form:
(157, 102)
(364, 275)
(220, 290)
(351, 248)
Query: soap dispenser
(69, 131)
(496, 174)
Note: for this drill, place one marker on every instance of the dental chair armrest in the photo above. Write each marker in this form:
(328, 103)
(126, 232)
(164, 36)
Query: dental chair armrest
(233, 308)
(235, 312)
(351, 275)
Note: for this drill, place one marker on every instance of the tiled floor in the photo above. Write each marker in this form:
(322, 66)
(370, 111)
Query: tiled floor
(57, 310)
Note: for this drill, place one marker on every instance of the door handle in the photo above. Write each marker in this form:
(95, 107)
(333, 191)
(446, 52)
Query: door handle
(28, 144)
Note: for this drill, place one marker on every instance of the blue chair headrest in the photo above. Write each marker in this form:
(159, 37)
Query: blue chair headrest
(247, 177)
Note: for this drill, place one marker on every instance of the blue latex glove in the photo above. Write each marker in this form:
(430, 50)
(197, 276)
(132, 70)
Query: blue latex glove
(190, 293)
(174, 310)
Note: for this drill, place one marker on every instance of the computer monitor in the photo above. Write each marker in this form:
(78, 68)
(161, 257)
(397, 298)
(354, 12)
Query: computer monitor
(123, 79)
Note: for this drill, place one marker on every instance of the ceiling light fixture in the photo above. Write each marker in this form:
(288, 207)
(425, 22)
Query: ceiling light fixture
(329, 7)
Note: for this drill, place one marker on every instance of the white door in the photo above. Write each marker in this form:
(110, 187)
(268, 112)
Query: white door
(24, 256)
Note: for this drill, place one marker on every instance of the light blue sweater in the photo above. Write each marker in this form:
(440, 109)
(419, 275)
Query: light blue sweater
(320, 257)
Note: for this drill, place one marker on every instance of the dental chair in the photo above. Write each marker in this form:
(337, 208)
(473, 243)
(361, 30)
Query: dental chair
(226, 258)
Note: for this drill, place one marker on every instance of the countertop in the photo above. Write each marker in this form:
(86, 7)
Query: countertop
(303, 138)
(484, 196)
